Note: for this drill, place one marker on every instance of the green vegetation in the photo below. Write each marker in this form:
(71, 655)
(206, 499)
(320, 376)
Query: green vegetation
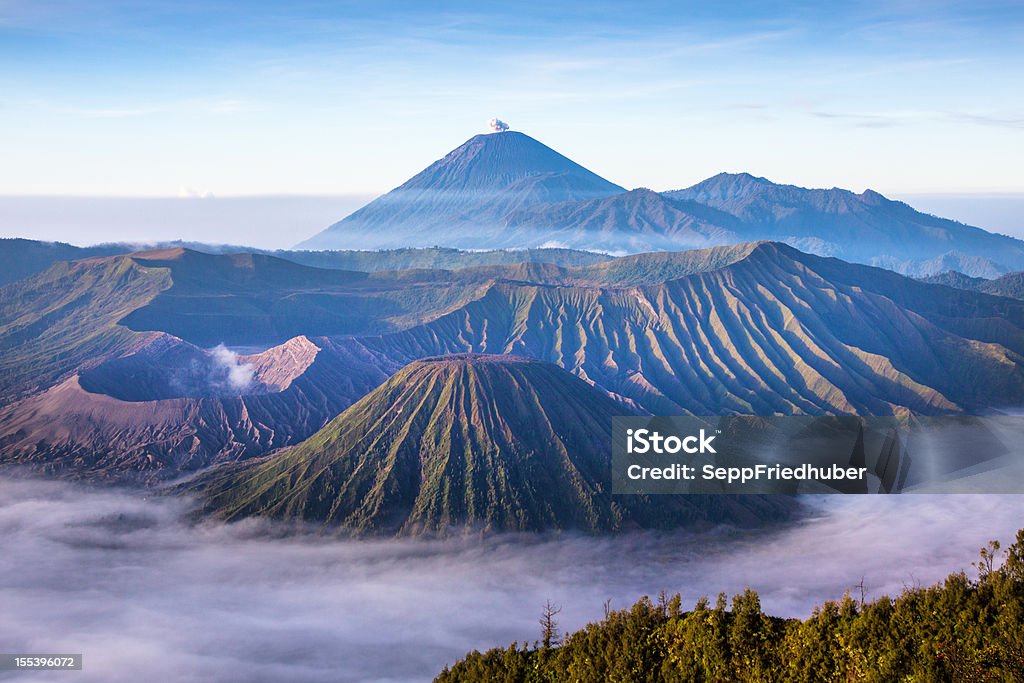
(20, 258)
(438, 258)
(255, 298)
(754, 329)
(495, 443)
(66, 319)
(750, 329)
(961, 630)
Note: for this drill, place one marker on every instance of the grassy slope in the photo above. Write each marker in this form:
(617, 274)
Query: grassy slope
(22, 258)
(438, 258)
(492, 442)
(776, 331)
(67, 318)
(755, 328)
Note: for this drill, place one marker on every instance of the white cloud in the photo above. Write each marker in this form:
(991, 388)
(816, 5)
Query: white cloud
(192, 193)
(146, 595)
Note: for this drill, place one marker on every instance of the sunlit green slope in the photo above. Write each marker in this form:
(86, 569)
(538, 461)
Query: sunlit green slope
(497, 443)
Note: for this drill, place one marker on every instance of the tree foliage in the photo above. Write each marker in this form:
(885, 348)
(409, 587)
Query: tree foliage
(961, 630)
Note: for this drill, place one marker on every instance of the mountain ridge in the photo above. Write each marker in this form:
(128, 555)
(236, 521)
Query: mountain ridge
(451, 204)
(456, 443)
(758, 328)
(22, 258)
(865, 227)
(639, 219)
(723, 341)
(1008, 284)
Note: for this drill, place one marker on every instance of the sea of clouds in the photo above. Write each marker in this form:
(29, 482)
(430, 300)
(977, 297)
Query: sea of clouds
(144, 594)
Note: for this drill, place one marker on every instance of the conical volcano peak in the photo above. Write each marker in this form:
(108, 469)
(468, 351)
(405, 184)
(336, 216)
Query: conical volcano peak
(428, 449)
(464, 198)
(496, 161)
(449, 443)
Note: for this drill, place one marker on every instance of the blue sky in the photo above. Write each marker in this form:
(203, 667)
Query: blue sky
(167, 98)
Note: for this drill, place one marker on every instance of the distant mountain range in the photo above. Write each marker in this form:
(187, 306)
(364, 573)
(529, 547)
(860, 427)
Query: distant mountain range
(427, 388)
(20, 258)
(509, 190)
(1010, 284)
(500, 193)
(864, 228)
(108, 367)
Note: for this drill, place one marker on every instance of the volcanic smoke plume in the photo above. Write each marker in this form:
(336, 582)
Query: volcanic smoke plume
(229, 370)
(497, 125)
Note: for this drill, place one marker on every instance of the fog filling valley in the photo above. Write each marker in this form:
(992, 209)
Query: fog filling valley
(144, 594)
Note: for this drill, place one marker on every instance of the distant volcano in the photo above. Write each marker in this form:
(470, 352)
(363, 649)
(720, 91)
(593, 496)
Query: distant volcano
(467, 193)
(499, 443)
(507, 191)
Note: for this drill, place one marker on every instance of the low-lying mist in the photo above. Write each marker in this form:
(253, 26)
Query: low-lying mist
(144, 595)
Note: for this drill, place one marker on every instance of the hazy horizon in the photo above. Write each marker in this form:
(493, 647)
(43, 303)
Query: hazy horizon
(263, 222)
(281, 221)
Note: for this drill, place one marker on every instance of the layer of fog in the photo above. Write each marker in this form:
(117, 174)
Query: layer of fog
(280, 222)
(146, 596)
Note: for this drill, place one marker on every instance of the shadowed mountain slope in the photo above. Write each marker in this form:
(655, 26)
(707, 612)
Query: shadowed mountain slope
(1010, 284)
(254, 299)
(20, 258)
(144, 417)
(865, 227)
(955, 279)
(773, 331)
(79, 314)
(67, 318)
(635, 221)
(755, 328)
(497, 443)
